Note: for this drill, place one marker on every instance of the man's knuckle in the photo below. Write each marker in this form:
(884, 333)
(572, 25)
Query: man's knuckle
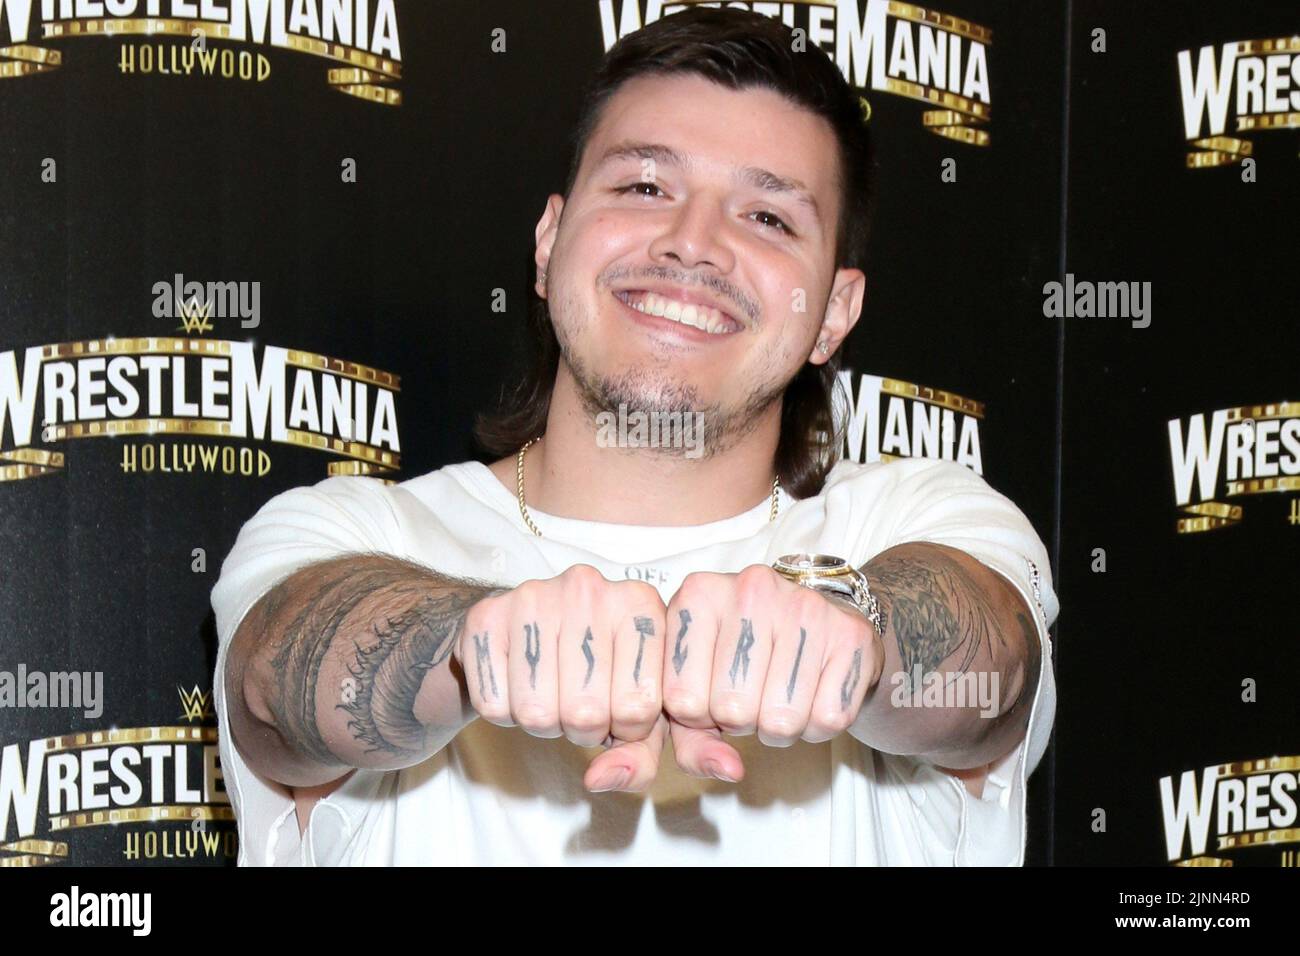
(584, 574)
(485, 614)
(731, 712)
(697, 586)
(634, 711)
(528, 591)
(585, 717)
(754, 585)
(782, 723)
(694, 580)
(535, 716)
(686, 704)
(638, 592)
(495, 712)
(583, 582)
(833, 719)
(809, 603)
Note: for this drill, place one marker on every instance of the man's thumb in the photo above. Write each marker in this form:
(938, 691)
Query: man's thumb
(703, 753)
(628, 764)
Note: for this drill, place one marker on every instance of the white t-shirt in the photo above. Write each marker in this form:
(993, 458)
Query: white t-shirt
(497, 795)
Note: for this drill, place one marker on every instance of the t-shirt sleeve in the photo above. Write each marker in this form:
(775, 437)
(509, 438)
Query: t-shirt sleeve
(340, 515)
(943, 502)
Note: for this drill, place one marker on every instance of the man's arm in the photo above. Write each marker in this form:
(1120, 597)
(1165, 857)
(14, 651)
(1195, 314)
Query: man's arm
(348, 663)
(946, 612)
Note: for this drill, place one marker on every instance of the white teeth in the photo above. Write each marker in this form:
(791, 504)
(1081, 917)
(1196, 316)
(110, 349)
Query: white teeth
(702, 317)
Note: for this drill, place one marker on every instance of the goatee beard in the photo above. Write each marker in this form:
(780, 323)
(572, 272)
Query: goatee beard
(639, 390)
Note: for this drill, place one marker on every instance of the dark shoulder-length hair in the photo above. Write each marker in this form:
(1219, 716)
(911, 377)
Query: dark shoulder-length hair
(736, 49)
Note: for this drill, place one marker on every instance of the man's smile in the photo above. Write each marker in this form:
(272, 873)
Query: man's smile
(684, 310)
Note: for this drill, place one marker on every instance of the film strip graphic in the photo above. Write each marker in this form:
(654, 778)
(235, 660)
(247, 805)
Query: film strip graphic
(931, 396)
(1256, 838)
(360, 458)
(363, 75)
(37, 852)
(955, 117)
(1211, 515)
(1214, 151)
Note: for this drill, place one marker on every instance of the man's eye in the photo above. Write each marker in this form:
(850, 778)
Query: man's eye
(632, 186)
(777, 222)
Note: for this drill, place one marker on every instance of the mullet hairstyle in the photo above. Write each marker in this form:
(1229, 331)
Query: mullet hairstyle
(739, 50)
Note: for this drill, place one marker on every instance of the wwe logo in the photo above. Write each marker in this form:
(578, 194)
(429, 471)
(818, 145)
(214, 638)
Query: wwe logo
(195, 704)
(194, 317)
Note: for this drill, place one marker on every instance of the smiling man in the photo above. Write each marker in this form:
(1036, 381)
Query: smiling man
(607, 651)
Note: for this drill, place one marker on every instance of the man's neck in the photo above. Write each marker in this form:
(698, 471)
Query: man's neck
(569, 474)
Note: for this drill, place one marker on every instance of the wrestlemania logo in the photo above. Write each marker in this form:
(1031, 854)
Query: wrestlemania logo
(1255, 83)
(1248, 805)
(169, 777)
(150, 387)
(1254, 448)
(890, 47)
(885, 419)
(360, 35)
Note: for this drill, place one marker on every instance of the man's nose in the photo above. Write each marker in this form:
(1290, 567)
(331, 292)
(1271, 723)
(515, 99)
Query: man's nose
(694, 236)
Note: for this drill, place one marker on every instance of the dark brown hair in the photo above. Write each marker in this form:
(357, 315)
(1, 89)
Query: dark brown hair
(737, 49)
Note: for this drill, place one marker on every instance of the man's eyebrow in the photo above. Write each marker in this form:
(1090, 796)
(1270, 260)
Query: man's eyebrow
(749, 175)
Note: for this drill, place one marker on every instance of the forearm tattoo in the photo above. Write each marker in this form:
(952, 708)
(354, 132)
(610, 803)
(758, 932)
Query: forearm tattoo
(740, 662)
(532, 651)
(386, 673)
(1035, 651)
(644, 628)
(936, 609)
(679, 649)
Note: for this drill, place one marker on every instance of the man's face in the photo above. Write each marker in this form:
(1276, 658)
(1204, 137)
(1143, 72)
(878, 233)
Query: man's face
(693, 198)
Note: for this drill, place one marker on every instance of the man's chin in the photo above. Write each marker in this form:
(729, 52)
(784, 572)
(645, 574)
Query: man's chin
(683, 399)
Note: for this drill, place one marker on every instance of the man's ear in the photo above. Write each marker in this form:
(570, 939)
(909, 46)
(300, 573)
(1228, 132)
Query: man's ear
(544, 235)
(842, 311)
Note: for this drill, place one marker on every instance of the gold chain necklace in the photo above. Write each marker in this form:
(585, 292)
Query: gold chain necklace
(523, 505)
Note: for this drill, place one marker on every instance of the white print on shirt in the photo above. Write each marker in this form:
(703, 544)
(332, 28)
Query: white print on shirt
(655, 576)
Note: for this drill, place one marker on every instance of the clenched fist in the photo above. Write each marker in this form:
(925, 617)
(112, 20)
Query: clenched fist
(752, 652)
(576, 656)
(605, 662)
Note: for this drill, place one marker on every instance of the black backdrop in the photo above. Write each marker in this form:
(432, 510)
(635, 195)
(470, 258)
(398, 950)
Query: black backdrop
(225, 179)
